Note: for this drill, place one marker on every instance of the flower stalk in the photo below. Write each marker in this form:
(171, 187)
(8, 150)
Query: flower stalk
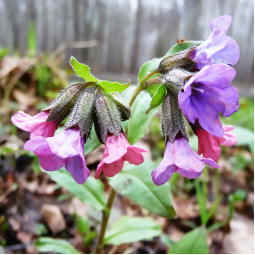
(106, 215)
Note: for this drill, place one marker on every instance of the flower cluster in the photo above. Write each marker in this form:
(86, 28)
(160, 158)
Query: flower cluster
(198, 87)
(86, 104)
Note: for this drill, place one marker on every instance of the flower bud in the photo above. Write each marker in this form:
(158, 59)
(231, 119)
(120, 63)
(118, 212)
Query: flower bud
(124, 109)
(172, 120)
(180, 59)
(82, 112)
(107, 117)
(62, 105)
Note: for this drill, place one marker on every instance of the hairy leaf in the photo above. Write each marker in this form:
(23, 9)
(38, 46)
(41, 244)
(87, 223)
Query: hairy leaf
(110, 87)
(82, 70)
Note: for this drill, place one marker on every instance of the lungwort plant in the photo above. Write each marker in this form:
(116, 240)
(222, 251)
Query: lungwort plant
(192, 81)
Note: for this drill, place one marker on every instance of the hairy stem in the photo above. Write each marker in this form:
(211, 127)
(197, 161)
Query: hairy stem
(141, 86)
(106, 215)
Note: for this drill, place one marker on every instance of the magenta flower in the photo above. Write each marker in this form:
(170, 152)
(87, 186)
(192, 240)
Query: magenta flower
(180, 158)
(118, 150)
(209, 145)
(36, 125)
(218, 48)
(208, 93)
(63, 150)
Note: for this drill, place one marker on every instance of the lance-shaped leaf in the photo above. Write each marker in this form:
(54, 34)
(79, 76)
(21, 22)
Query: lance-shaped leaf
(53, 245)
(91, 192)
(132, 229)
(107, 117)
(135, 182)
(63, 104)
(82, 113)
(82, 70)
(158, 97)
(172, 120)
(123, 107)
(110, 87)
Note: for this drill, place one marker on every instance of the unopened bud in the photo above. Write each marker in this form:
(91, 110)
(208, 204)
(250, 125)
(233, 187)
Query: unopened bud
(82, 112)
(107, 118)
(180, 59)
(172, 119)
(124, 109)
(62, 105)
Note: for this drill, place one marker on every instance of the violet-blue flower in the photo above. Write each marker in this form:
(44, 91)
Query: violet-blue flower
(218, 48)
(63, 150)
(180, 158)
(208, 93)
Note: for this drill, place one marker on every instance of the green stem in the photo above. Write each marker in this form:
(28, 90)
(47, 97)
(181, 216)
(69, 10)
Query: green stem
(141, 86)
(106, 215)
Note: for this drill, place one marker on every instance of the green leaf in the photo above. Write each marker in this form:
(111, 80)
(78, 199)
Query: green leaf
(82, 70)
(135, 182)
(148, 67)
(152, 64)
(139, 120)
(92, 142)
(244, 136)
(47, 244)
(128, 230)
(182, 46)
(194, 242)
(158, 97)
(110, 87)
(91, 192)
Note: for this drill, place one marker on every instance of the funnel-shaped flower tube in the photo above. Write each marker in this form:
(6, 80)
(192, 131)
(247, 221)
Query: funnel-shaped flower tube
(180, 158)
(209, 145)
(36, 125)
(208, 93)
(118, 150)
(63, 150)
(218, 48)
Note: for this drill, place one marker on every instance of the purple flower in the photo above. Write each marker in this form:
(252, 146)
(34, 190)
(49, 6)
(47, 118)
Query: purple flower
(208, 93)
(118, 150)
(218, 48)
(180, 158)
(63, 150)
(36, 125)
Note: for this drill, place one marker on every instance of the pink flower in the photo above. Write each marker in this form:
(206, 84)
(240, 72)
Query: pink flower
(209, 145)
(117, 150)
(36, 125)
(63, 150)
(180, 158)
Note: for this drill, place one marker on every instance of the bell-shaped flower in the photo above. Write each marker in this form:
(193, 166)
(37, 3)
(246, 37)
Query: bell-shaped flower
(63, 150)
(180, 158)
(208, 93)
(218, 48)
(209, 145)
(36, 125)
(118, 150)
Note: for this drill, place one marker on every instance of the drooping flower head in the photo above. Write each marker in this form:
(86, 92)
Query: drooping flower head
(218, 48)
(117, 151)
(180, 158)
(36, 125)
(208, 93)
(63, 150)
(209, 145)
